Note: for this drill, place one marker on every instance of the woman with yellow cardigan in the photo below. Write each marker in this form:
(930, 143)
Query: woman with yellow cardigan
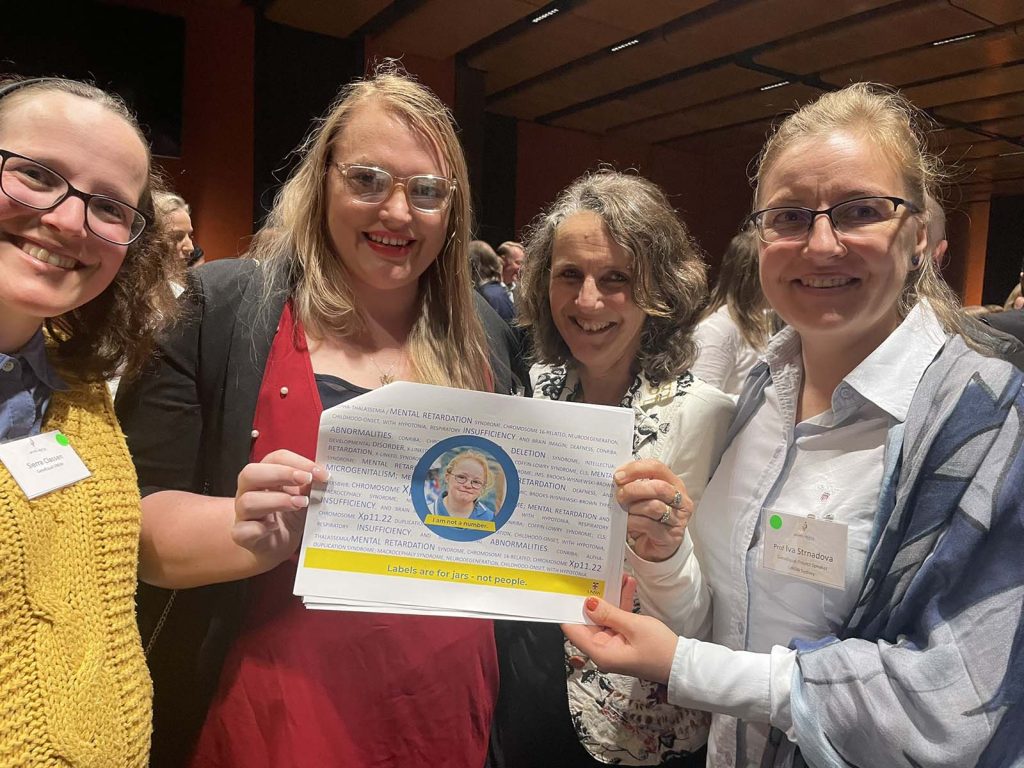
(84, 278)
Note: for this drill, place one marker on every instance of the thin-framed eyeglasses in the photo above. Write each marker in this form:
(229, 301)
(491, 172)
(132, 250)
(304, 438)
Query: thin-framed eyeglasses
(424, 192)
(472, 482)
(30, 183)
(863, 216)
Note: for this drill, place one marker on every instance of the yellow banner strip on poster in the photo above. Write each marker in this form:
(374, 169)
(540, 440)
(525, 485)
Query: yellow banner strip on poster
(460, 573)
(460, 522)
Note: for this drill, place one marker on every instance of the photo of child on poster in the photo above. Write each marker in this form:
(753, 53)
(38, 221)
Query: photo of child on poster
(465, 488)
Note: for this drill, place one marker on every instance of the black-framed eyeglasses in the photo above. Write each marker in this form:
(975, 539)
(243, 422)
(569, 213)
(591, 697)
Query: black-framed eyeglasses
(32, 184)
(424, 192)
(859, 216)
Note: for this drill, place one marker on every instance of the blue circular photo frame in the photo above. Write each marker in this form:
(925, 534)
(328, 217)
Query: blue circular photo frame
(425, 477)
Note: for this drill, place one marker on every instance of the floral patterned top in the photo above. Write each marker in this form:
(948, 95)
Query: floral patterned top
(621, 720)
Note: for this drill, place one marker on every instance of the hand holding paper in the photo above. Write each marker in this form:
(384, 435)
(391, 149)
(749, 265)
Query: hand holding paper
(465, 504)
(270, 504)
(658, 508)
(624, 641)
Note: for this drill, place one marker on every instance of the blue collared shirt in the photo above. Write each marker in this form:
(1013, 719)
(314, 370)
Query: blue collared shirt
(27, 381)
(480, 512)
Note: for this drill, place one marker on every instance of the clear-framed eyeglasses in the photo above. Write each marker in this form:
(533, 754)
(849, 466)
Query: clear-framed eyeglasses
(32, 184)
(861, 216)
(424, 192)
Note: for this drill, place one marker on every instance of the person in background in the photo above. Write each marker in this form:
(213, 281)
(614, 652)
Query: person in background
(359, 278)
(737, 322)
(1011, 321)
(487, 275)
(174, 216)
(1004, 334)
(1015, 300)
(178, 219)
(878, 448)
(935, 217)
(512, 259)
(84, 289)
(611, 292)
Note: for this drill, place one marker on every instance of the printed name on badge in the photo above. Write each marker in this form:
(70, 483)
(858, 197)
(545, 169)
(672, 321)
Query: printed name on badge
(43, 463)
(805, 548)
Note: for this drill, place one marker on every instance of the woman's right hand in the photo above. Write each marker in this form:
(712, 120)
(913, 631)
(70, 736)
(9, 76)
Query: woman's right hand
(622, 641)
(271, 502)
(658, 508)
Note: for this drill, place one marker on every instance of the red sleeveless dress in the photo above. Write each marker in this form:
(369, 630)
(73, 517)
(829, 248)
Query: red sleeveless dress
(312, 689)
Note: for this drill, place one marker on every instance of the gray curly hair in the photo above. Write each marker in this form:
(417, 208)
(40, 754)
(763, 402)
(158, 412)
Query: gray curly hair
(669, 274)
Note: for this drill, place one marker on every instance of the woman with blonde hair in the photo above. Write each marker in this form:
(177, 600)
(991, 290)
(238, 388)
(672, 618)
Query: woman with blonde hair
(359, 278)
(860, 540)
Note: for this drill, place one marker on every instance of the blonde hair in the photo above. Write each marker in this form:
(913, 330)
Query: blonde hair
(890, 123)
(447, 345)
(492, 479)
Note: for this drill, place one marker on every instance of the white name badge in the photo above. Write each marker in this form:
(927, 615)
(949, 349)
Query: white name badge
(805, 548)
(42, 463)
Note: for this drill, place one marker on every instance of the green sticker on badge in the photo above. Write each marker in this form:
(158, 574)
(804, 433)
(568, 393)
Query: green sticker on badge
(775, 522)
(62, 439)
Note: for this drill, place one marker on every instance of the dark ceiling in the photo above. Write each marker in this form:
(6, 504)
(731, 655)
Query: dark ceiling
(703, 76)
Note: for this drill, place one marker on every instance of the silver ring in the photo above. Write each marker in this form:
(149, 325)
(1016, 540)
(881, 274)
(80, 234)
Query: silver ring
(665, 516)
(677, 501)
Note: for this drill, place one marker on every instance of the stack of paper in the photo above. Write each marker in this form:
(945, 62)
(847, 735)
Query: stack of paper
(455, 503)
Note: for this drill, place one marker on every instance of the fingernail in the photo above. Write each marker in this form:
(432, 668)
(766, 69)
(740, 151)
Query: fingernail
(300, 501)
(577, 662)
(619, 476)
(591, 603)
(309, 478)
(326, 475)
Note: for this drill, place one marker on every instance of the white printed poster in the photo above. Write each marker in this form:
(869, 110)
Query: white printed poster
(459, 503)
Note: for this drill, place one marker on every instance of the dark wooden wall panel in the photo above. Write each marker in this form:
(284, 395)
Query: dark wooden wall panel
(897, 29)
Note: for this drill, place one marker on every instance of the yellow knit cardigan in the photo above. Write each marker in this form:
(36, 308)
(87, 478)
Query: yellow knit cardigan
(74, 689)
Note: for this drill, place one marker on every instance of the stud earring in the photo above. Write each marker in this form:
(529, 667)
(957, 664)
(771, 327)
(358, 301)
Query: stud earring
(915, 260)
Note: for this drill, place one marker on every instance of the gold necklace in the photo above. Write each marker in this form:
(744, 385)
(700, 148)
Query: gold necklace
(386, 377)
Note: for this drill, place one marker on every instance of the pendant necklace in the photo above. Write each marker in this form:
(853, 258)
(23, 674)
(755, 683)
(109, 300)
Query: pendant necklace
(388, 376)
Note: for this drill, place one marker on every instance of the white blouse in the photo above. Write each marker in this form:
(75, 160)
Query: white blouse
(828, 465)
(724, 358)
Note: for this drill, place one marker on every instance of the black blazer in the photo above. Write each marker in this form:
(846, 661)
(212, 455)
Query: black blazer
(188, 421)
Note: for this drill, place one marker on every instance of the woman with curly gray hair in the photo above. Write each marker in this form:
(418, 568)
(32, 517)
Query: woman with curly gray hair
(612, 289)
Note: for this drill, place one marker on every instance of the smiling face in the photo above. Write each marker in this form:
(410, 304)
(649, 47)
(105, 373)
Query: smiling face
(591, 296)
(463, 475)
(50, 262)
(833, 288)
(385, 246)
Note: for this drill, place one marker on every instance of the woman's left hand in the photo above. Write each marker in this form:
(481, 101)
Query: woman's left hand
(623, 641)
(658, 507)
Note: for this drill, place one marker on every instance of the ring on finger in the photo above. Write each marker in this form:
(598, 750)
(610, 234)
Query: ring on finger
(666, 516)
(677, 501)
